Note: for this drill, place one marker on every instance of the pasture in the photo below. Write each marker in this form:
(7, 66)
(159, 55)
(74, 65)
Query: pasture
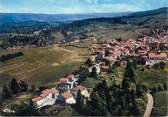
(42, 65)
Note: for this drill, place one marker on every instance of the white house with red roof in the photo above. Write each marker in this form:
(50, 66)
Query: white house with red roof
(46, 97)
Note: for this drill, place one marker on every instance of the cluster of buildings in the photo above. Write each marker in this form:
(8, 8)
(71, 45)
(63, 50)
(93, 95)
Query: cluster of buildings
(64, 93)
(153, 49)
(148, 50)
(109, 52)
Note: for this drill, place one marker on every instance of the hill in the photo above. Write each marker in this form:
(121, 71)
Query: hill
(50, 29)
(132, 26)
(22, 17)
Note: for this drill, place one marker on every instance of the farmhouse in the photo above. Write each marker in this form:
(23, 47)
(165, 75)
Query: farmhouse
(46, 97)
(66, 98)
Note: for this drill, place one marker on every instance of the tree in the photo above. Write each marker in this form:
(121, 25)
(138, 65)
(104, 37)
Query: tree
(32, 87)
(41, 88)
(88, 62)
(112, 102)
(116, 111)
(83, 74)
(156, 66)
(6, 93)
(162, 64)
(25, 109)
(141, 89)
(79, 102)
(15, 88)
(107, 93)
(94, 72)
(98, 105)
(165, 85)
(127, 100)
(129, 79)
(139, 106)
(23, 85)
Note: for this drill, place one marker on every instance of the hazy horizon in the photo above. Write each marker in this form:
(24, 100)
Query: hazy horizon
(78, 6)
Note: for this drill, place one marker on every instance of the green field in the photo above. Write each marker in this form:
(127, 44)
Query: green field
(42, 65)
(150, 77)
(160, 104)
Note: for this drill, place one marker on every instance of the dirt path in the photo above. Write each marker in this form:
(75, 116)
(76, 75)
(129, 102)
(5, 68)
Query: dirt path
(11, 67)
(149, 105)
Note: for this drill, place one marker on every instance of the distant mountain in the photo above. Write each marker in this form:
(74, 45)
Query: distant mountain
(126, 19)
(130, 26)
(101, 26)
(150, 12)
(22, 17)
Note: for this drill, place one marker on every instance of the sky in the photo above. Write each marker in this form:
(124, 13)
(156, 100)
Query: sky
(78, 6)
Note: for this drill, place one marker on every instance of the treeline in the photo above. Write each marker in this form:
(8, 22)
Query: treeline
(24, 40)
(22, 27)
(126, 99)
(10, 56)
(13, 87)
(38, 38)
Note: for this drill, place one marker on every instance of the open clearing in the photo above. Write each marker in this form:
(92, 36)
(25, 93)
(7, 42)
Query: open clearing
(43, 65)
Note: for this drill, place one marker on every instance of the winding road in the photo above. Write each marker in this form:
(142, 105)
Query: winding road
(149, 105)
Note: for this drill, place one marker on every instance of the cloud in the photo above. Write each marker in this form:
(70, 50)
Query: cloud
(113, 8)
(89, 2)
(78, 6)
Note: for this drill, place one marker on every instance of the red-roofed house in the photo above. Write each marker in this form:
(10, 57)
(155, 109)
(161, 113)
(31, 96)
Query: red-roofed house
(46, 97)
(68, 82)
(154, 57)
(67, 98)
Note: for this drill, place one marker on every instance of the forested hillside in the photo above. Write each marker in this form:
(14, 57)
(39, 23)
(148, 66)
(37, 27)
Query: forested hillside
(43, 33)
(131, 26)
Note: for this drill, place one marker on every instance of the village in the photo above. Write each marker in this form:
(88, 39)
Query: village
(148, 51)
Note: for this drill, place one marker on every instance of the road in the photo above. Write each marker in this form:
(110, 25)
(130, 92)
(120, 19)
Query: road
(149, 105)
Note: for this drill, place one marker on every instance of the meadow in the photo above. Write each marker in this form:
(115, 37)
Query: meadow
(42, 65)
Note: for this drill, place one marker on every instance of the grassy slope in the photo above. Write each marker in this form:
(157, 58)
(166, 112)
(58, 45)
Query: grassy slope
(42, 65)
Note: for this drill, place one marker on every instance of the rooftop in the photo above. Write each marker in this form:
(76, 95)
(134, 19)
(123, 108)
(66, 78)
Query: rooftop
(45, 93)
(157, 55)
(67, 95)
